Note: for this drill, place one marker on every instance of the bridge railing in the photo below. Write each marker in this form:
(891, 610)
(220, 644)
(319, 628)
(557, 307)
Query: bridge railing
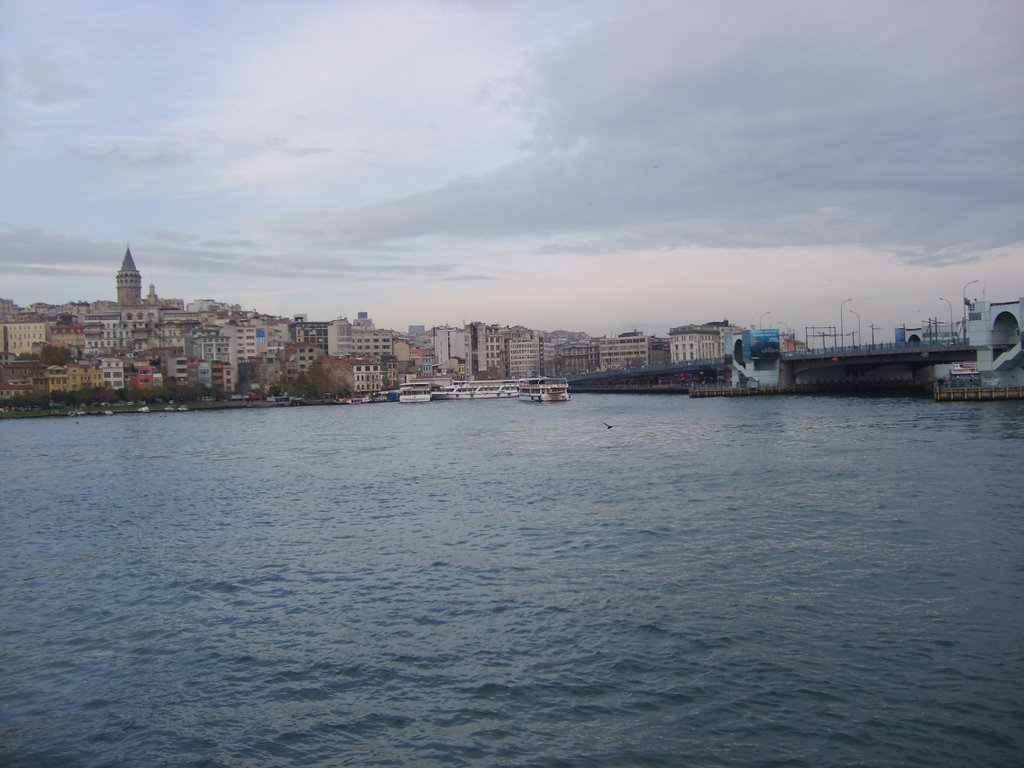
(880, 349)
(666, 369)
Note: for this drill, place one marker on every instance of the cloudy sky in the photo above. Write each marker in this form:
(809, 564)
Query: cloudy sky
(599, 165)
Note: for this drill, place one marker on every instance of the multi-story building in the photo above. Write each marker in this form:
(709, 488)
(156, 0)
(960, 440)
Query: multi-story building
(367, 375)
(486, 351)
(303, 331)
(181, 369)
(25, 336)
(81, 376)
(112, 369)
(360, 375)
(449, 345)
(143, 375)
(413, 361)
(299, 357)
(576, 358)
(627, 350)
(72, 377)
(699, 342)
(17, 376)
(372, 342)
(208, 343)
(339, 338)
(176, 327)
(526, 354)
(247, 340)
(217, 375)
(69, 336)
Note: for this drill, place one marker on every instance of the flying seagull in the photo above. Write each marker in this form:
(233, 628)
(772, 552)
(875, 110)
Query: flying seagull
(607, 424)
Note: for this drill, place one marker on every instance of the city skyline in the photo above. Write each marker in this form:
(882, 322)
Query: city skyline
(588, 166)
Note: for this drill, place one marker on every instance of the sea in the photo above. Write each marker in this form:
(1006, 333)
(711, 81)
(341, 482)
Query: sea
(763, 581)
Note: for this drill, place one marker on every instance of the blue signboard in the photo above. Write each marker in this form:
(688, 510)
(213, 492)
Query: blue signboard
(761, 343)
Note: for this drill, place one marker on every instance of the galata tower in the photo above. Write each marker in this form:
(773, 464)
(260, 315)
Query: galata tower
(129, 282)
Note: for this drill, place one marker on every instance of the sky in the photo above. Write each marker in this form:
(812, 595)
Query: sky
(594, 165)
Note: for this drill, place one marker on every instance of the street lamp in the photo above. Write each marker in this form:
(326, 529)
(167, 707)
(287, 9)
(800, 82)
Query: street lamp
(760, 320)
(842, 331)
(860, 339)
(950, 316)
(965, 305)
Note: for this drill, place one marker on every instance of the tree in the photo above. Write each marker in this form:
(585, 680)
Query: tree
(52, 355)
(312, 384)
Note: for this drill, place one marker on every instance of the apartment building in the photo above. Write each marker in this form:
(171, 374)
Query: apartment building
(20, 337)
(372, 342)
(576, 358)
(627, 350)
(486, 351)
(699, 342)
(303, 331)
(526, 353)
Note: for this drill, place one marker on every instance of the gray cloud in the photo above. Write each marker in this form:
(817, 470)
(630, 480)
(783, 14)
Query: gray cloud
(764, 125)
(40, 76)
(159, 155)
(37, 252)
(286, 148)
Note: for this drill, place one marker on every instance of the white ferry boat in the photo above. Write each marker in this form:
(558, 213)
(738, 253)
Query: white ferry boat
(479, 390)
(544, 390)
(414, 392)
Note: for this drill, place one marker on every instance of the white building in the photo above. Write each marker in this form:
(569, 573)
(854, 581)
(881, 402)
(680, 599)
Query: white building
(339, 338)
(526, 355)
(486, 351)
(113, 372)
(372, 342)
(698, 342)
(449, 347)
(994, 330)
(627, 350)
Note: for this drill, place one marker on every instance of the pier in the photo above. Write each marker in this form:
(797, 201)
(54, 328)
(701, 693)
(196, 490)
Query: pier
(962, 394)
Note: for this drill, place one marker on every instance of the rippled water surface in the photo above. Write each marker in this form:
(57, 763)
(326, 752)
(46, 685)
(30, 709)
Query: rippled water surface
(757, 582)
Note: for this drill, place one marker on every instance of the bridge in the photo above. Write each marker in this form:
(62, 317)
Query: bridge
(752, 359)
(667, 378)
(851, 368)
(872, 366)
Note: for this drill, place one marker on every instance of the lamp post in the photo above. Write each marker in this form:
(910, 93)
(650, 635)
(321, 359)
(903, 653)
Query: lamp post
(760, 320)
(860, 339)
(965, 305)
(950, 316)
(842, 330)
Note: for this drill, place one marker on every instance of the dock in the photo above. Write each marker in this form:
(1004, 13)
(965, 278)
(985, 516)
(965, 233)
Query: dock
(742, 391)
(961, 394)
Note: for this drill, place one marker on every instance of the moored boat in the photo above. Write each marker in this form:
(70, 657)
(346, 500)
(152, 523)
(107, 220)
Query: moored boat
(479, 390)
(544, 390)
(414, 392)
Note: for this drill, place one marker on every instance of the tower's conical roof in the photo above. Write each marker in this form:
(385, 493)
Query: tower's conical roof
(128, 265)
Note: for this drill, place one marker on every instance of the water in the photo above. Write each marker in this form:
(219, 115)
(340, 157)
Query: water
(756, 582)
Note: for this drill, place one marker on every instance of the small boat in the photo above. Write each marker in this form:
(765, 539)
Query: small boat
(144, 409)
(544, 390)
(414, 392)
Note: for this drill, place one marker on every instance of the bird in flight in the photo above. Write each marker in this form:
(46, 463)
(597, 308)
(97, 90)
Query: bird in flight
(607, 424)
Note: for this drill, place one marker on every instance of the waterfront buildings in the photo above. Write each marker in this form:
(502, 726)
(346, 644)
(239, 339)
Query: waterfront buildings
(145, 340)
